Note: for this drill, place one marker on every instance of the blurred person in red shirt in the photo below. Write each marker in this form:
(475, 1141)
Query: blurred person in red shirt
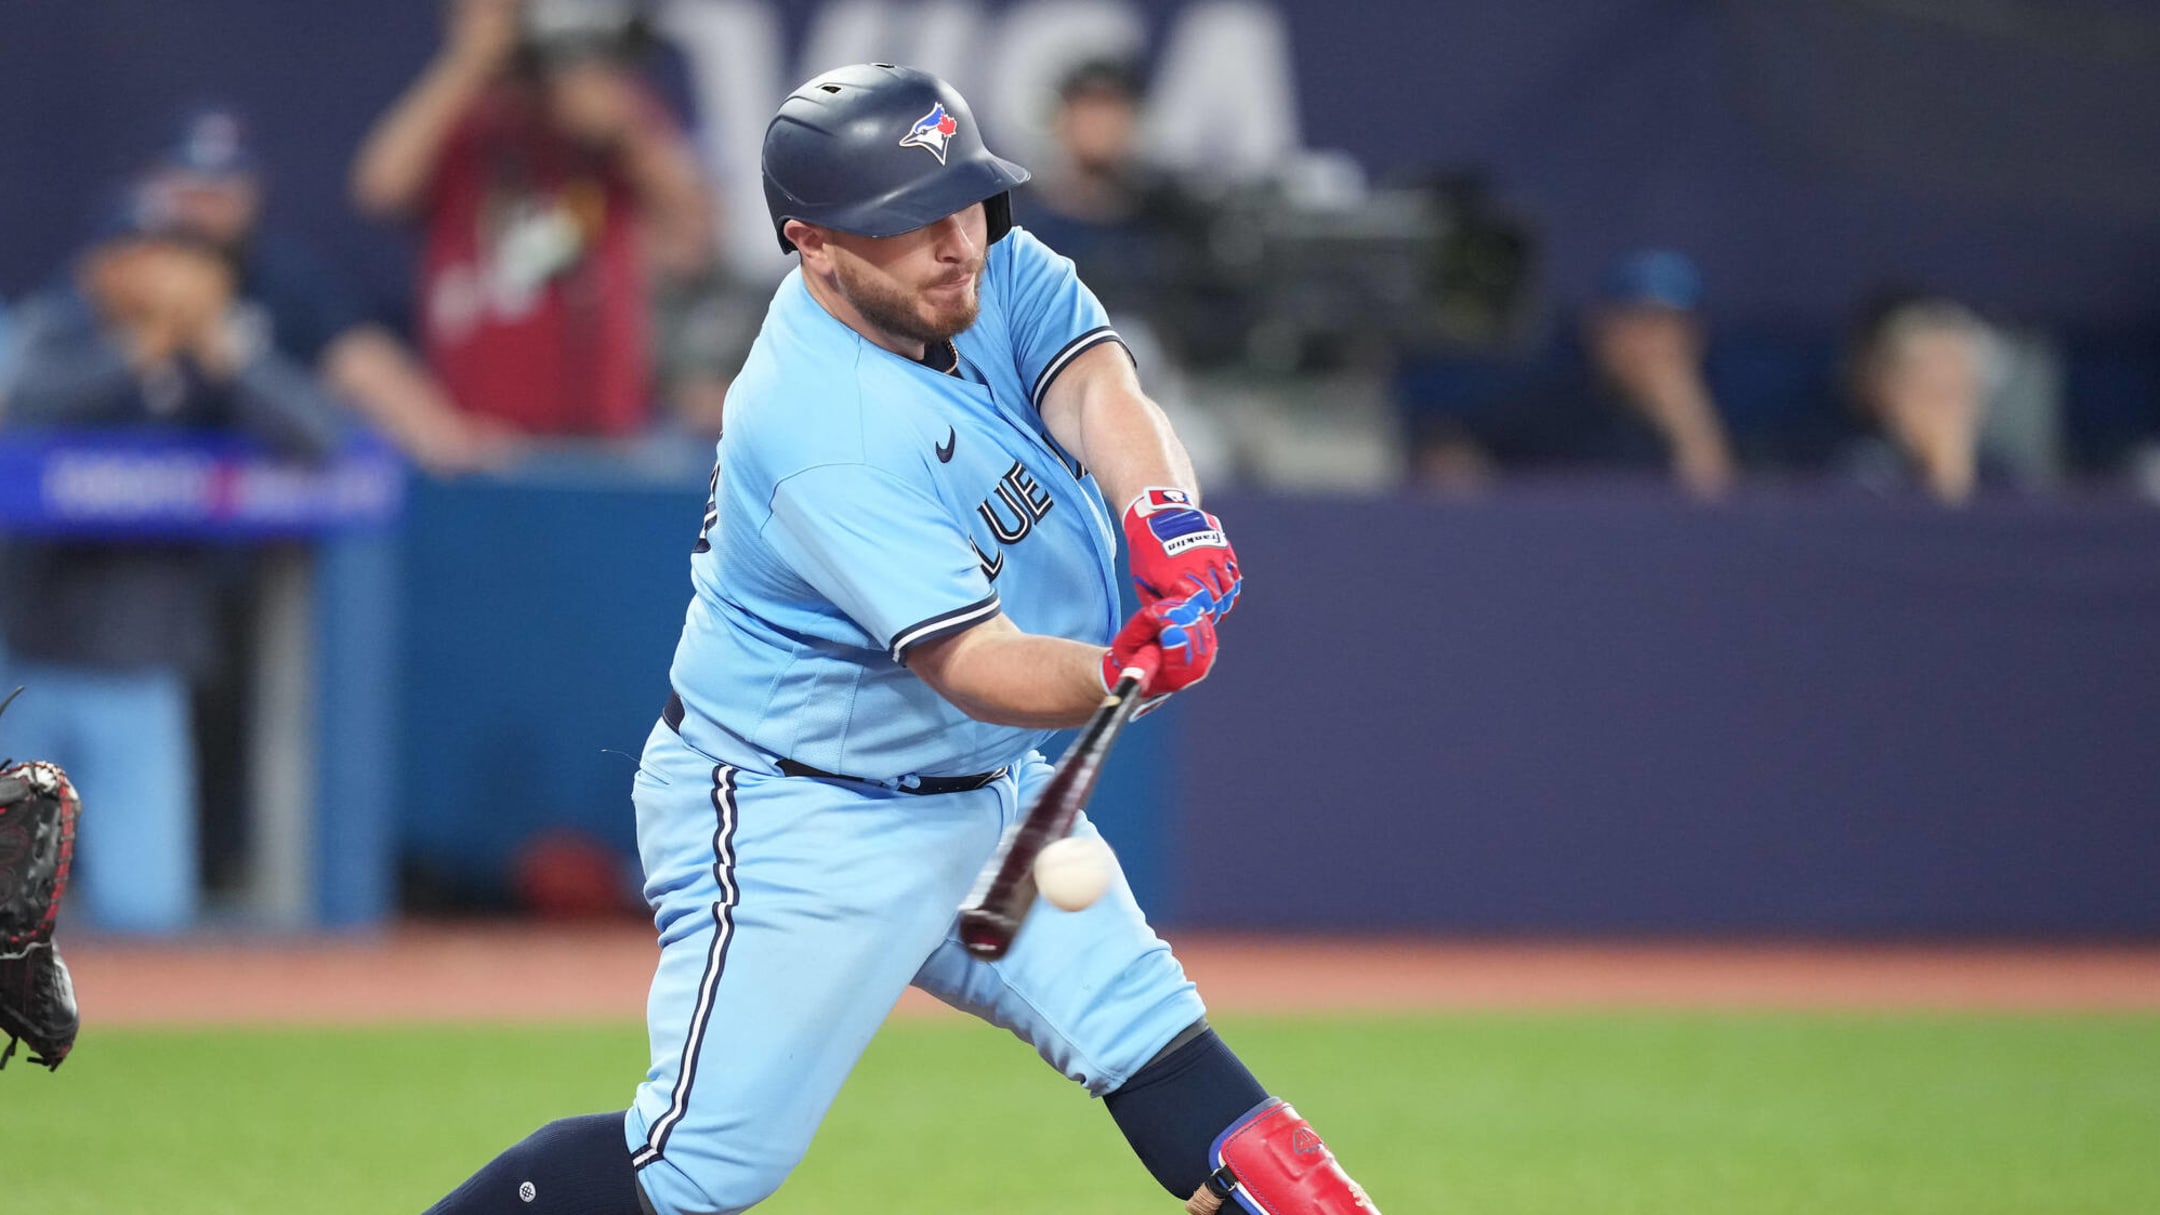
(549, 181)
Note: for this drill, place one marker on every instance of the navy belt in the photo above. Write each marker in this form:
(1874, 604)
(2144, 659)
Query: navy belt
(673, 713)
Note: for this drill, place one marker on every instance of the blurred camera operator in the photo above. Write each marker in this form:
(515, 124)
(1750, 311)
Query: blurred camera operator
(1137, 235)
(153, 330)
(110, 636)
(548, 181)
(207, 188)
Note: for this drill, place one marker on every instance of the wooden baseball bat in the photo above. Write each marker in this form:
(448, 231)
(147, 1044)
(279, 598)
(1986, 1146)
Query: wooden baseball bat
(992, 915)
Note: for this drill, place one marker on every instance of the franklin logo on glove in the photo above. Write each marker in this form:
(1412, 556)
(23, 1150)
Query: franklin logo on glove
(1178, 524)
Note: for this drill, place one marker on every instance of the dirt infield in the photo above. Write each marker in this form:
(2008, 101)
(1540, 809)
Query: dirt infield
(523, 972)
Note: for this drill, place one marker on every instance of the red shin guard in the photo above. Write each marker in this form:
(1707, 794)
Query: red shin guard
(1274, 1163)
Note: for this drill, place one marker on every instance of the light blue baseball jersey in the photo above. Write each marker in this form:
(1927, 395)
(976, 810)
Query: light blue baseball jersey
(865, 503)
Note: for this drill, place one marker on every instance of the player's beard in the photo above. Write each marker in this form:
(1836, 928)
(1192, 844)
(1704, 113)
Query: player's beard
(903, 314)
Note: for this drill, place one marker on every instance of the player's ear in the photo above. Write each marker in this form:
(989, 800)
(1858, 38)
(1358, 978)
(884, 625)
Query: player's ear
(808, 239)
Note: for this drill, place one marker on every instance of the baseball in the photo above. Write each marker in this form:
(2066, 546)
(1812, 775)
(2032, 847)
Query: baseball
(1073, 872)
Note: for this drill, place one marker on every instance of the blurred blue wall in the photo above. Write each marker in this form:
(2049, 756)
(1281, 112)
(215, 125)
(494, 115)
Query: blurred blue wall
(1586, 711)
(539, 623)
(1581, 711)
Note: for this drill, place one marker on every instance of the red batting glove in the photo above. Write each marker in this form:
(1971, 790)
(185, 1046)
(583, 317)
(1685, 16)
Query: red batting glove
(1178, 551)
(1184, 633)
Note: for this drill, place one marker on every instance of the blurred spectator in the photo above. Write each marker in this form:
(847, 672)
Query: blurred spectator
(2025, 419)
(7, 359)
(1633, 396)
(152, 333)
(703, 326)
(1919, 374)
(1139, 239)
(548, 180)
(208, 188)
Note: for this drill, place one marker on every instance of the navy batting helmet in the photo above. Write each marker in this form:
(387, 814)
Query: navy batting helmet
(878, 150)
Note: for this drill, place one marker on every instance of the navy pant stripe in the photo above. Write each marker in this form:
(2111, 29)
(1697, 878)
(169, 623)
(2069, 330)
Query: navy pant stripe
(723, 912)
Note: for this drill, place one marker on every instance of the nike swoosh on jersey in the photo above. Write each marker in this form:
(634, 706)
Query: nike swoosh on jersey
(945, 449)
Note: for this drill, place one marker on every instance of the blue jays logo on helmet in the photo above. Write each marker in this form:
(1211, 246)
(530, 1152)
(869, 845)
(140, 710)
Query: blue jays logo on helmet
(932, 132)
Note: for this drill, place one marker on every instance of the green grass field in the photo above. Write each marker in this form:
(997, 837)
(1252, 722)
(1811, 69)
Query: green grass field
(1567, 1114)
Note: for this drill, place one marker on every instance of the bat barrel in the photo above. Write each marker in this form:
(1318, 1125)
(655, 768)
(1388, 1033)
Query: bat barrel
(991, 917)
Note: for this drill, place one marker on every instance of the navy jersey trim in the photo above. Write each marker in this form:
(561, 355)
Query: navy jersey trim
(1072, 350)
(944, 624)
(723, 913)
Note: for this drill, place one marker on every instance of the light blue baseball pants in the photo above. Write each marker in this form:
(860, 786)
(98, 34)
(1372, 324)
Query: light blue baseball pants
(793, 913)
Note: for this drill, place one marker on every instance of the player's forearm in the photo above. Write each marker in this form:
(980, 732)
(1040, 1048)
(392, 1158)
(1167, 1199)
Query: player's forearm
(996, 673)
(1096, 409)
(1138, 449)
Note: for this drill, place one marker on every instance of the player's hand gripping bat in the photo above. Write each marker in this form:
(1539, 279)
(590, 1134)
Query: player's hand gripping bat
(991, 917)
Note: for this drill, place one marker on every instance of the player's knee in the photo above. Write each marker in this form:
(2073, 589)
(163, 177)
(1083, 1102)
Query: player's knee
(730, 1195)
(716, 1185)
(748, 1184)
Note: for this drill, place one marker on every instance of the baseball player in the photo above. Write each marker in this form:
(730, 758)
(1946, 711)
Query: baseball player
(904, 583)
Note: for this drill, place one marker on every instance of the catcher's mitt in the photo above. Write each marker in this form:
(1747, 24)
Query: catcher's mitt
(38, 809)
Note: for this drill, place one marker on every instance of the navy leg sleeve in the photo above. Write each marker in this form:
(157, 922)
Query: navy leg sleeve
(1172, 1109)
(574, 1166)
